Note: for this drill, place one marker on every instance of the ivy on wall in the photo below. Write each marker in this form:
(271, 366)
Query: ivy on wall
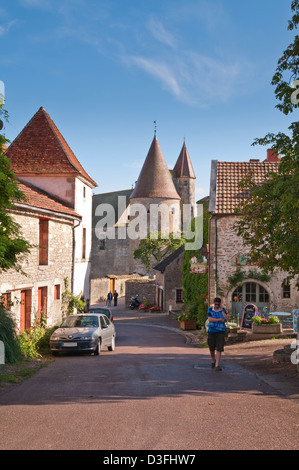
(239, 276)
(195, 286)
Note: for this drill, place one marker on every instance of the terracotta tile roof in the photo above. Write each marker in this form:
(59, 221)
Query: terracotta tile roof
(155, 180)
(183, 166)
(41, 149)
(228, 175)
(38, 199)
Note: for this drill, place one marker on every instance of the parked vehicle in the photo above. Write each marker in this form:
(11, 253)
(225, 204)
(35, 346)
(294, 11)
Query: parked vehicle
(104, 310)
(85, 332)
(134, 302)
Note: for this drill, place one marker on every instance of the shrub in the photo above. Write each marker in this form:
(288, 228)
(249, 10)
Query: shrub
(154, 309)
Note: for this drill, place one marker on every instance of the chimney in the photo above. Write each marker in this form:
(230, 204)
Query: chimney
(272, 156)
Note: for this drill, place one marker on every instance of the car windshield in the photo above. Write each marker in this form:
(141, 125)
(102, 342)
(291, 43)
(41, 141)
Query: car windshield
(99, 310)
(80, 321)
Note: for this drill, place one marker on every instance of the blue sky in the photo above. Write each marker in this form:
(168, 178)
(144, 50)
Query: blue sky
(105, 70)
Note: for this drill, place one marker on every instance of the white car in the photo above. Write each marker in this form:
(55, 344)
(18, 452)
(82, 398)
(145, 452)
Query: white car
(84, 332)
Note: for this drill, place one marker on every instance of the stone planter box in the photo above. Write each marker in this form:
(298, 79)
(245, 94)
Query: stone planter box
(188, 324)
(271, 329)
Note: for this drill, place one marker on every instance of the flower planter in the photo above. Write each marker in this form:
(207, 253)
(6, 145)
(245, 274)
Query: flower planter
(271, 328)
(188, 324)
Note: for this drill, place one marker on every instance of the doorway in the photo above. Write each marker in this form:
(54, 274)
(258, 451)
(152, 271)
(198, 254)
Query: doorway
(26, 301)
(42, 299)
(112, 284)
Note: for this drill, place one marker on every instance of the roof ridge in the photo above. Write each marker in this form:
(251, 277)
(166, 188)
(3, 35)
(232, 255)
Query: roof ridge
(60, 137)
(40, 147)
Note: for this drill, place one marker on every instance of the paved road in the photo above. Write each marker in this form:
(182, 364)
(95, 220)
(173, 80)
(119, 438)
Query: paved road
(153, 392)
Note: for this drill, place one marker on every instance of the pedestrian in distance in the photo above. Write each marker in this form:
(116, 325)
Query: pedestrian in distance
(109, 299)
(115, 295)
(217, 316)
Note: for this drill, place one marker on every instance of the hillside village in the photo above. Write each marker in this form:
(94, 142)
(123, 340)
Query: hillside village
(61, 217)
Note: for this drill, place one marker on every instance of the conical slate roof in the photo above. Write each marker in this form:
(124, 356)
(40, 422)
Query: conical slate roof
(183, 166)
(155, 180)
(41, 149)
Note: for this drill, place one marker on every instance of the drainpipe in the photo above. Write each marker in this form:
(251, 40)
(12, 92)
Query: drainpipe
(74, 254)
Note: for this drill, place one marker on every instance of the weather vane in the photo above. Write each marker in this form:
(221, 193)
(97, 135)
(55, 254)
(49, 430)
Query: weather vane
(155, 122)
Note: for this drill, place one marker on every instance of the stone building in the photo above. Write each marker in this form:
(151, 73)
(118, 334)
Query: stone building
(159, 196)
(227, 253)
(48, 225)
(41, 157)
(169, 288)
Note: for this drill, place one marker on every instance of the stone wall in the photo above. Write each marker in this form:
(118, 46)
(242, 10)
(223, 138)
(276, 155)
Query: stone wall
(171, 280)
(59, 266)
(146, 290)
(228, 247)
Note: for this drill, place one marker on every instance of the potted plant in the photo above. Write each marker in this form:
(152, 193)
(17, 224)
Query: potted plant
(188, 321)
(268, 325)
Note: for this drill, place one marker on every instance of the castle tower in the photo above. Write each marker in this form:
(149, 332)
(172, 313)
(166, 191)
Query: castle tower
(155, 187)
(185, 177)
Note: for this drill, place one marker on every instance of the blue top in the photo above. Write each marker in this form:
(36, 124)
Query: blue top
(218, 326)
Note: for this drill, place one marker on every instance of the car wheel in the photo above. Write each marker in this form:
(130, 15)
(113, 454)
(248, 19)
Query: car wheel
(112, 347)
(97, 350)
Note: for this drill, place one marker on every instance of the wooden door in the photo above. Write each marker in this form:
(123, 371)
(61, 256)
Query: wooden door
(26, 300)
(112, 285)
(42, 299)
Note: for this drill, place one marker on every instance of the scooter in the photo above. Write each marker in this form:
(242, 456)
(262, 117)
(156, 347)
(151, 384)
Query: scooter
(134, 303)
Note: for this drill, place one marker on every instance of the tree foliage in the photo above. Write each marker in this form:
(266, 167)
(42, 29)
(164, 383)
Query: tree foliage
(269, 224)
(155, 247)
(288, 67)
(12, 244)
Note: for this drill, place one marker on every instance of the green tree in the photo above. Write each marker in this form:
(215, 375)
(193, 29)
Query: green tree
(269, 223)
(154, 248)
(287, 70)
(12, 244)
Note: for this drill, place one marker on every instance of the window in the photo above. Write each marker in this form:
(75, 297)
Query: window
(238, 294)
(263, 295)
(57, 292)
(179, 296)
(43, 241)
(84, 243)
(250, 295)
(286, 291)
(84, 192)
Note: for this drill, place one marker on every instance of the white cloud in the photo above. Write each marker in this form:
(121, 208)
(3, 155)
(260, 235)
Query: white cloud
(4, 28)
(158, 69)
(160, 33)
(192, 78)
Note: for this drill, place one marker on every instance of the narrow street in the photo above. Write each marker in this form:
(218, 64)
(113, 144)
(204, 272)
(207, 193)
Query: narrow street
(154, 392)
